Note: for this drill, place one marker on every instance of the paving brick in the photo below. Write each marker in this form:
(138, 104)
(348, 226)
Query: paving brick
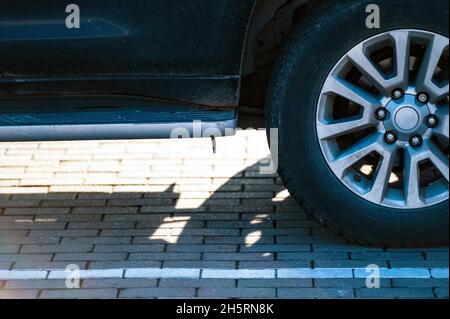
(72, 203)
(89, 256)
(119, 283)
(195, 283)
(167, 239)
(19, 294)
(135, 217)
(33, 225)
(70, 218)
(199, 264)
(157, 292)
(171, 224)
(9, 249)
(322, 293)
(26, 249)
(276, 248)
(105, 293)
(18, 203)
(35, 284)
(239, 224)
(5, 234)
(25, 257)
(418, 283)
(343, 247)
(5, 265)
(435, 255)
(63, 233)
(312, 256)
(104, 210)
(124, 264)
(36, 211)
(129, 248)
(164, 256)
(238, 256)
(394, 293)
(419, 263)
(321, 263)
(441, 292)
(237, 239)
(201, 248)
(100, 225)
(274, 283)
(47, 265)
(140, 202)
(96, 240)
(272, 264)
(236, 292)
(387, 255)
(347, 283)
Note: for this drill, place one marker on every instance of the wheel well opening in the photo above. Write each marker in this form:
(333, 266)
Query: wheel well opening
(270, 26)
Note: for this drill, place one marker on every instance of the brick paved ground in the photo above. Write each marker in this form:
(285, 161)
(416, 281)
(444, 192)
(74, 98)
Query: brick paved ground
(129, 208)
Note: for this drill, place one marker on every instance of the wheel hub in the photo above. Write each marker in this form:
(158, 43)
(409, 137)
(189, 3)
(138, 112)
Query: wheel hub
(406, 117)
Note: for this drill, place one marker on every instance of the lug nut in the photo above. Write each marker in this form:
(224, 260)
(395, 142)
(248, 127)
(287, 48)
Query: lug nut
(397, 93)
(390, 137)
(380, 114)
(415, 140)
(432, 120)
(422, 97)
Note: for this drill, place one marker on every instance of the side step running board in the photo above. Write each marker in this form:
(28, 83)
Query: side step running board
(95, 118)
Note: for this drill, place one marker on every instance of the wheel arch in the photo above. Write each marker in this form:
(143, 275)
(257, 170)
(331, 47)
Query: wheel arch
(269, 27)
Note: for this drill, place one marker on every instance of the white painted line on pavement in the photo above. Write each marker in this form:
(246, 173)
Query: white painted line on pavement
(88, 274)
(162, 273)
(22, 274)
(396, 273)
(213, 273)
(239, 273)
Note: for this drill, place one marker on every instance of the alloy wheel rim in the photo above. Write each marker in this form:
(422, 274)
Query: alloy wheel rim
(383, 119)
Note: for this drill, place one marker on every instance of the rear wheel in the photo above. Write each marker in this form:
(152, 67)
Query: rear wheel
(363, 120)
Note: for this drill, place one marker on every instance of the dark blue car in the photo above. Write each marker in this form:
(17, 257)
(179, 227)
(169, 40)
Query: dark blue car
(355, 93)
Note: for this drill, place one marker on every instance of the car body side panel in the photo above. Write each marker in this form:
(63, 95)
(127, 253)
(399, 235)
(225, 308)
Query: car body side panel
(186, 50)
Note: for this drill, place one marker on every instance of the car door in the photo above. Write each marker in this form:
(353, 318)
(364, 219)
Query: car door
(134, 47)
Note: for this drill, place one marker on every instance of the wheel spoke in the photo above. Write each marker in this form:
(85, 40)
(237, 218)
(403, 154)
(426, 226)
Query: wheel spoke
(377, 78)
(383, 175)
(437, 157)
(354, 153)
(411, 179)
(332, 130)
(351, 92)
(367, 68)
(402, 53)
(428, 66)
(443, 126)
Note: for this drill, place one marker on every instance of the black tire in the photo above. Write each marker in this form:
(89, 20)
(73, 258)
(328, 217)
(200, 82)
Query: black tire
(330, 29)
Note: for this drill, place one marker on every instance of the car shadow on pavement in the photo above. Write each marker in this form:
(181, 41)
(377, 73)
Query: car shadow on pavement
(249, 222)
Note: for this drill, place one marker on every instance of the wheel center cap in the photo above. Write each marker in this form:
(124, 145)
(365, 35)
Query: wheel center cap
(406, 118)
